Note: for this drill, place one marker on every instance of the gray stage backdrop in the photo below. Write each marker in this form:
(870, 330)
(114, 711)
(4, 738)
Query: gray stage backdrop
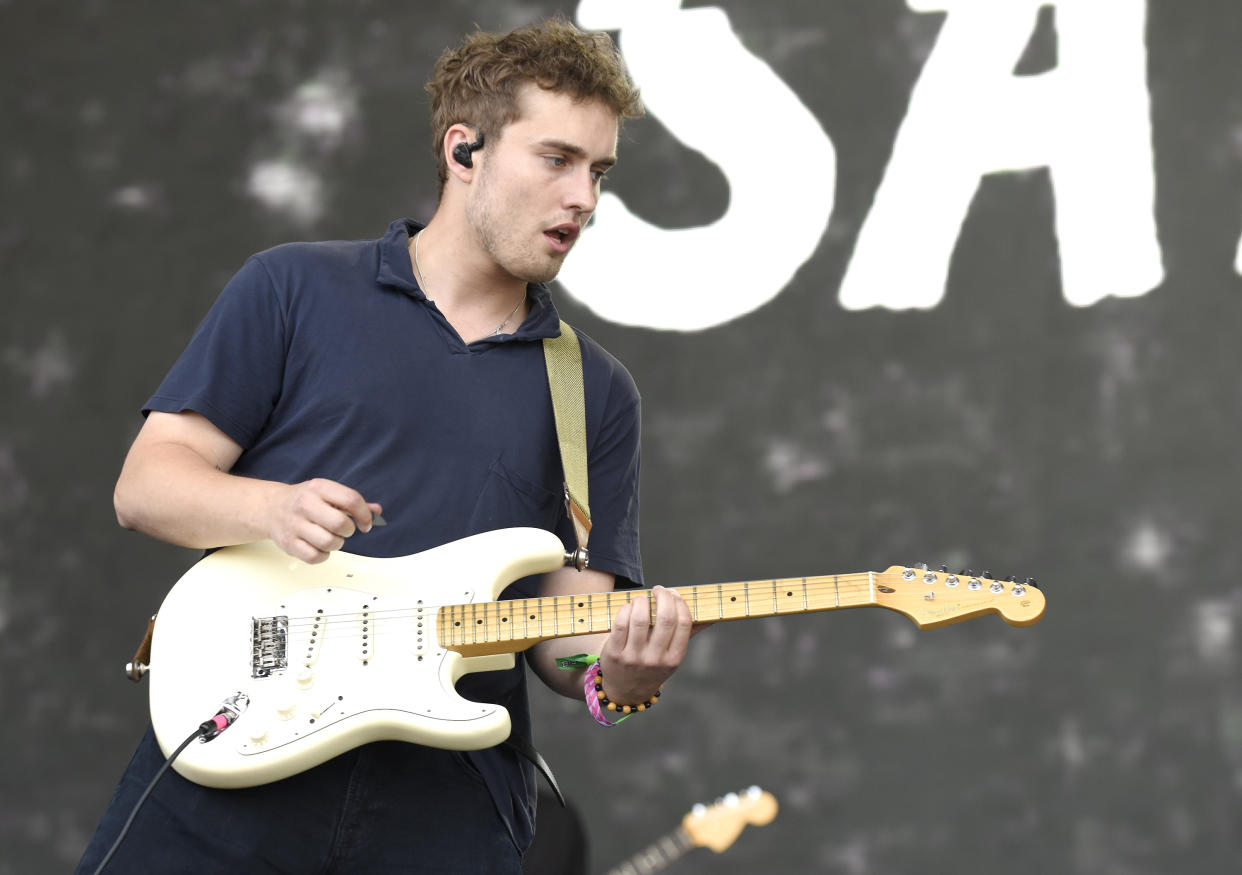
(149, 147)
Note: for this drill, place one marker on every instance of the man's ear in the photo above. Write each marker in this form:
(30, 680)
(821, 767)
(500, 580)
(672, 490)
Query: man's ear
(460, 142)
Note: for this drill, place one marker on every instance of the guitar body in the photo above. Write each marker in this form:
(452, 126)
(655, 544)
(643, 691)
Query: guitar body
(327, 657)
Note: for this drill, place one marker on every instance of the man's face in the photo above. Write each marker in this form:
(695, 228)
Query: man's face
(539, 182)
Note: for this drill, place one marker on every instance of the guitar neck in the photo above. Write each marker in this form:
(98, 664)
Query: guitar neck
(656, 856)
(484, 628)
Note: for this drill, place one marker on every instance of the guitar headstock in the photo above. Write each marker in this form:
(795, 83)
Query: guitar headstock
(717, 826)
(939, 598)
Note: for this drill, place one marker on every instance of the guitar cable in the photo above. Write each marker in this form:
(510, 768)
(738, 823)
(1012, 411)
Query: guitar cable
(206, 731)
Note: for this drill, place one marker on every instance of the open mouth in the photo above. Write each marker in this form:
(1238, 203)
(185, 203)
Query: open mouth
(562, 236)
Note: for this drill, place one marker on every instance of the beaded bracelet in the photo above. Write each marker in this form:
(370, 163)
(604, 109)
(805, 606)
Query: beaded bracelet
(597, 700)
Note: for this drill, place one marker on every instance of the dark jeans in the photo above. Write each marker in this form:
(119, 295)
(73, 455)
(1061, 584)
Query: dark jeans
(387, 807)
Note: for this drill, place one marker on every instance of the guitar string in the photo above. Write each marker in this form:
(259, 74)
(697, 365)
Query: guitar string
(815, 590)
(556, 604)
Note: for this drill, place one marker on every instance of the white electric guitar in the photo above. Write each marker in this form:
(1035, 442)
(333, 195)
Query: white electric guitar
(314, 660)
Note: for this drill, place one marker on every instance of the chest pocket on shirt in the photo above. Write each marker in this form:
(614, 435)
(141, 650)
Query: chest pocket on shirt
(509, 499)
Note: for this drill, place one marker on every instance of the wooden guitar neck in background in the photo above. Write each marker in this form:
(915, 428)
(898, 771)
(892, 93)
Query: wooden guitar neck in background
(715, 826)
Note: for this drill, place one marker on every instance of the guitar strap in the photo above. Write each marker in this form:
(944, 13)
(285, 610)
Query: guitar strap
(526, 749)
(136, 668)
(564, 360)
(563, 357)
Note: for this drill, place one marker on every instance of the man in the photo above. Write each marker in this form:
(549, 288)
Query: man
(332, 382)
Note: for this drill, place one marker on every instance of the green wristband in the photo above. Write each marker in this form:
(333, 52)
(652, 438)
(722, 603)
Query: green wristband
(580, 660)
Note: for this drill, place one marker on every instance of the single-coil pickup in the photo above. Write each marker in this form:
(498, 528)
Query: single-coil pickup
(317, 629)
(420, 632)
(269, 645)
(366, 632)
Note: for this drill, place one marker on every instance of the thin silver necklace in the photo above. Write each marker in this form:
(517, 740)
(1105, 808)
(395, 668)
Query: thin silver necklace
(422, 282)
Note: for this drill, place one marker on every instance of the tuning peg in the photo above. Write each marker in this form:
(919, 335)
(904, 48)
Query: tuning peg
(1011, 579)
(987, 574)
(943, 569)
(1030, 581)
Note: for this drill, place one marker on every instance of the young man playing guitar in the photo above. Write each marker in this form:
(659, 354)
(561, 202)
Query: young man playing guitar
(404, 376)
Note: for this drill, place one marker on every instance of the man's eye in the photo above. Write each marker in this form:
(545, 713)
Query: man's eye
(554, 160)
(598, 175)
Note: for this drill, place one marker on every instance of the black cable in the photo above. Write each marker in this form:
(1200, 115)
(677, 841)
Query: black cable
(201, 731)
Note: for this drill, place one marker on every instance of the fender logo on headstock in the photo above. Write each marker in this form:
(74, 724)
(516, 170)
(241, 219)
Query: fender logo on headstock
(920, 594)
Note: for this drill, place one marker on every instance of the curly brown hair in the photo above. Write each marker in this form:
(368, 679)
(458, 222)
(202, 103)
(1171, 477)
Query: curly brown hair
(478, 81)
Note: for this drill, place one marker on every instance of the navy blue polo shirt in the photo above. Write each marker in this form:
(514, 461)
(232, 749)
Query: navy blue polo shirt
(327, 360)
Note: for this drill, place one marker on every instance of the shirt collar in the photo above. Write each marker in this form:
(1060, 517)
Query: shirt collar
(395, 271)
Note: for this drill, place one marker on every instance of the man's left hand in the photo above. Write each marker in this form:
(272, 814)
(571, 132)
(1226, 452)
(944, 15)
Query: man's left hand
(641, 653)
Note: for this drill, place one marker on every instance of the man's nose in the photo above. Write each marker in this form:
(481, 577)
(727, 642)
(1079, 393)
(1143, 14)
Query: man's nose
(583, 193)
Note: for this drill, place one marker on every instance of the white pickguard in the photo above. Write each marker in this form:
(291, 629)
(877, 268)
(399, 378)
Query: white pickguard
(362, 659)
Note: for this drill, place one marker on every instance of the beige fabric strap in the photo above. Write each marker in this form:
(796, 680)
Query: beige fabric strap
(564, 360)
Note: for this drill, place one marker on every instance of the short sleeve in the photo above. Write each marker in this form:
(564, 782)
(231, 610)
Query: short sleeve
(233, 368)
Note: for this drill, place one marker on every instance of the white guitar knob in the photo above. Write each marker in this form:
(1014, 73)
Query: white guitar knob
(258, 734)
(305, 679)
(286, 710)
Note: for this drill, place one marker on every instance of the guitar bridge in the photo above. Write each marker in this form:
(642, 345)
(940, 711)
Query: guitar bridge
(269, 645)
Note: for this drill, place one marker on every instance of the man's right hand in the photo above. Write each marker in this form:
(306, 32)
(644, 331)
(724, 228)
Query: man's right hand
(176, 486)
(309, 520)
